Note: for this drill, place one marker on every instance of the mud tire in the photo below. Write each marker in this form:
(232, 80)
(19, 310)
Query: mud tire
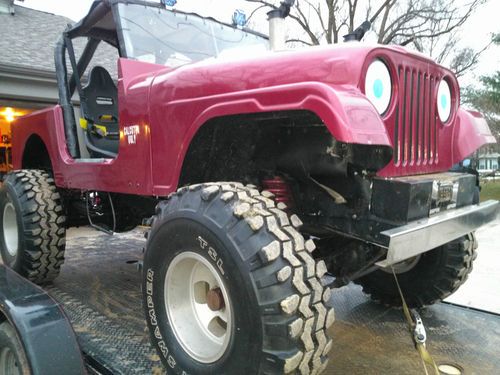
(437, 275)
(280, 307)
(40, 221)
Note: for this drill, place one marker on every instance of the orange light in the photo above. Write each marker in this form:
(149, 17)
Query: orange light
(9, 114)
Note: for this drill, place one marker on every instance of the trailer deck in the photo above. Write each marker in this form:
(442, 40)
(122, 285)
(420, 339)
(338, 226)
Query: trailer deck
(99, 289)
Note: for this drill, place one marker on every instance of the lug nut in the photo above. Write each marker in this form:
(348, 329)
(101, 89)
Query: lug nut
(215, 299)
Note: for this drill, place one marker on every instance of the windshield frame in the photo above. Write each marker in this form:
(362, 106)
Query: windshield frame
(120, 33)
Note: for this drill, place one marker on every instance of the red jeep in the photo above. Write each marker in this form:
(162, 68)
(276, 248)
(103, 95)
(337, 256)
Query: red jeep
(334, 159)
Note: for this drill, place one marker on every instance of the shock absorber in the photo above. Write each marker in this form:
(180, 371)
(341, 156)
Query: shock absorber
(280, 188)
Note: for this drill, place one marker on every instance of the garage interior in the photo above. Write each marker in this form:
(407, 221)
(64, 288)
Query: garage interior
(7, 116)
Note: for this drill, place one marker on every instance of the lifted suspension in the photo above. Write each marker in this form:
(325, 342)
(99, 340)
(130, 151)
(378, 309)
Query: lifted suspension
(280, 188)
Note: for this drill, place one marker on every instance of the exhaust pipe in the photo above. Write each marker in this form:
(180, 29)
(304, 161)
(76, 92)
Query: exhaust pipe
(276, 17)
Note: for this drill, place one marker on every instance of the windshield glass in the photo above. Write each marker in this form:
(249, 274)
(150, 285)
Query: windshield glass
(169, 38)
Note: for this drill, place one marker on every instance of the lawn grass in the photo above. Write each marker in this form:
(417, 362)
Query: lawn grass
(490, 190)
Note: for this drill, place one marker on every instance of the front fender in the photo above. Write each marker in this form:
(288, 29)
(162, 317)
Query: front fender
(471, 132)
(45, 332)
(346, 113)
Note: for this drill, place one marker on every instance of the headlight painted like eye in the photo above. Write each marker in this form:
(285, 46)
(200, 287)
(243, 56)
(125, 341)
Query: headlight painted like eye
(378, 86)
(444, 101)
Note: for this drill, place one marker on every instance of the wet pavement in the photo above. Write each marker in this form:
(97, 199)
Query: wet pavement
(99, 289)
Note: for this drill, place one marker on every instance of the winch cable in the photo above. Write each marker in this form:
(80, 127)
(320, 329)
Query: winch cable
(416, 327)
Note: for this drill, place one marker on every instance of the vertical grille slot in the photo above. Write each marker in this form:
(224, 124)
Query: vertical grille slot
(410, 117)
(416, 135)
(404, 121)
(418, 126)
(432, 124)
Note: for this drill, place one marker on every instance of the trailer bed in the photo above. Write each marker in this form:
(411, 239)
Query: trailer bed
(99, 288)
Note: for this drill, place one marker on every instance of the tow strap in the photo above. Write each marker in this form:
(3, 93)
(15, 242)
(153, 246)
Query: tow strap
(417, 329)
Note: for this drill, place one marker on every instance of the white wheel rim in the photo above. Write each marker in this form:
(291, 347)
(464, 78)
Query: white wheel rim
(10, 231)
(203, 333)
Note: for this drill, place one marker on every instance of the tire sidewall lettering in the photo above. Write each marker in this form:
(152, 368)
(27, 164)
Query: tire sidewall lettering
(212, 254)
(159, 254)
(153, 316)
(153, 321)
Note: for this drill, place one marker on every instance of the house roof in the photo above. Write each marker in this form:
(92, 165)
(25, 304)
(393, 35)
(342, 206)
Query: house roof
(28, 38)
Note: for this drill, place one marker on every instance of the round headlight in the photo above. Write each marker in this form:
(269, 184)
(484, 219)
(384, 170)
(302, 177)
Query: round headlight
(378, 86)
(444, 101)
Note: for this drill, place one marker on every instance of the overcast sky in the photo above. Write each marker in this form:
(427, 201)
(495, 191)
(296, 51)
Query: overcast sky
(476, 31)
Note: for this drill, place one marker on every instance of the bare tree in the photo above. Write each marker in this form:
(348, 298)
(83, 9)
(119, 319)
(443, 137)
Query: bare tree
(465, 59)
(428, 25)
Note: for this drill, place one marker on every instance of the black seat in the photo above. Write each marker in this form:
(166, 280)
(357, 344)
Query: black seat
(100, 114)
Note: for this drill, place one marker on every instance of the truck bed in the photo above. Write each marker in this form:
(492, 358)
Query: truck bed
(99, 288)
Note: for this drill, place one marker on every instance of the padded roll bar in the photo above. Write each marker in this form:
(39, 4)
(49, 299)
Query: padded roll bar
(65, 98)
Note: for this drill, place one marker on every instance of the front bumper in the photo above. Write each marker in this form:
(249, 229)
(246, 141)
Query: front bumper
(422, 235)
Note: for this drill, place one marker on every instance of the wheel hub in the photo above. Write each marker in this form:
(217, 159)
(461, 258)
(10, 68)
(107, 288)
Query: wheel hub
(215, 299)
(198, 307)
(10, 231)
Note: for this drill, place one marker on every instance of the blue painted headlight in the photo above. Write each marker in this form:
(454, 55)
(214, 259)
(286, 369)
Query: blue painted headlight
(378, 86)
(444, 101)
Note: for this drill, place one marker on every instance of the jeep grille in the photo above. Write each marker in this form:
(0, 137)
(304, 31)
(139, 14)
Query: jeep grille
(416, 135)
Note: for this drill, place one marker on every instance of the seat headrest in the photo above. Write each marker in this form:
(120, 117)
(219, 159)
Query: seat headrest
(100, 77)
(101, 96)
